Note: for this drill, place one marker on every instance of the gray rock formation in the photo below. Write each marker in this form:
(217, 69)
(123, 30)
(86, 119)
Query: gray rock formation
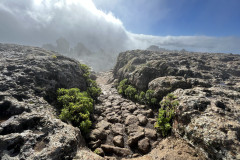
(204, 69)
(207, 87)
(210, 119)
(29, 127)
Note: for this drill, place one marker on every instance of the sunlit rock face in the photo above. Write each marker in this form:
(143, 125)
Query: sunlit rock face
(29, 127)
(209, 119)
(143, 66)
(207, 87)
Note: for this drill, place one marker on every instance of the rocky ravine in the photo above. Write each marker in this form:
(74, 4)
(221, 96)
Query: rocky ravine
(124, 129)
(208, 89)
(206, 126)
(30, 129)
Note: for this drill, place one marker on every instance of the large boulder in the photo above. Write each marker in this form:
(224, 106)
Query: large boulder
(29, 127)
(164, 85)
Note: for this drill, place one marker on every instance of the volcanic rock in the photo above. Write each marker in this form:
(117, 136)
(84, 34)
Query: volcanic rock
(207, 88)
(29, 127)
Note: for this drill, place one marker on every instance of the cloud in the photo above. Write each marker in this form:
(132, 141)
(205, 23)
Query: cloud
(80, 23)
(191, 43)
(44, 21)
(134, 12)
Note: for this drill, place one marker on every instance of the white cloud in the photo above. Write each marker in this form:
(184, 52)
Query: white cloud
(37, 22)
(44, 21)
(192, 43)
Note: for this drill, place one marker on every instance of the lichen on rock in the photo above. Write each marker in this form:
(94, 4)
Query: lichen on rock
(29, 126)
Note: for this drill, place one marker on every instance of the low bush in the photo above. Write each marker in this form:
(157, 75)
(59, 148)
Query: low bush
(122, 87)
(141, 97)
(96, 151)
(166, 114)
(130, 92)
(54, 56)
(93, 90)
(76, 107)
(150, 99)
(127, 90)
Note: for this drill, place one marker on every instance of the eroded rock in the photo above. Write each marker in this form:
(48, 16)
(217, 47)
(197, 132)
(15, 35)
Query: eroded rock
(150, 133)
(207, 121)
(131, 119)
(98, 134)
(29, 127)
(142, 119)
(164, 85)
(118, 141)
(207, 87)
(116, 150)
(144, 145)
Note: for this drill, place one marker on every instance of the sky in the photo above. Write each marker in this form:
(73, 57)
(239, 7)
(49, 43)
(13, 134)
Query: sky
(118, 25)
(176, 17)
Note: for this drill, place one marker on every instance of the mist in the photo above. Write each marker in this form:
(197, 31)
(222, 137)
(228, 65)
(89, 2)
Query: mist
(80, 30)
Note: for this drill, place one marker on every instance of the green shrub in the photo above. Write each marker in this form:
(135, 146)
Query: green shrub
(54, 56)
(85, 69)
(149, 95)
(96, 151)
(122, 86)
(142, 97)
(153, 101)
(130, 92)
(136, 97)
(93, 90)
(76, 107)
(150, 99)
(166, 114)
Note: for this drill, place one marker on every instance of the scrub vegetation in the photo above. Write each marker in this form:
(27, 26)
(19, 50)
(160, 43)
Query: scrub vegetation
(167, 105)
(166, 114)
(129, 91)
(77, 106)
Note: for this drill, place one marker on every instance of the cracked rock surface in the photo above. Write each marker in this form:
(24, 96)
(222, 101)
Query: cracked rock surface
(208, 90)
(29, 127)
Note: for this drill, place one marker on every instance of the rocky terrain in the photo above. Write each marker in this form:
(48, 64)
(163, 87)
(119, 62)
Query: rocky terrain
(29, 127)
(124, 129)
(120, 124)
(206, 125)
(207, 87)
